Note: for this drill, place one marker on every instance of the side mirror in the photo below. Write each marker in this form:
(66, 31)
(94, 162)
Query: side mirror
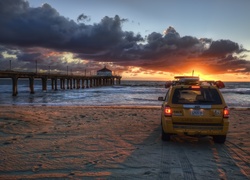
(160, 99)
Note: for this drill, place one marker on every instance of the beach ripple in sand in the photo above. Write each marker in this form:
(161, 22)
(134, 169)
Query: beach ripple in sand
(114, 142)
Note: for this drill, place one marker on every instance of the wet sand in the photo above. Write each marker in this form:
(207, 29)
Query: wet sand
(114, 143)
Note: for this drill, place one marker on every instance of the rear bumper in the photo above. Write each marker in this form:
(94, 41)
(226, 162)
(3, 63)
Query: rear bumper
(196, 129)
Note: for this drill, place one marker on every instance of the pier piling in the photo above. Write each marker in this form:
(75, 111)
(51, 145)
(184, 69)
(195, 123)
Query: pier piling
(31, 82)
(14, 86)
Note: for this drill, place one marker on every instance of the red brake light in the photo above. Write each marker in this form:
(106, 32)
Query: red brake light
(195, 87)
(226, 112)
(167, 111)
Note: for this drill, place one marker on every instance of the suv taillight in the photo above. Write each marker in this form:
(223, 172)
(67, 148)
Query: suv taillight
(226, 112)
(167, 111)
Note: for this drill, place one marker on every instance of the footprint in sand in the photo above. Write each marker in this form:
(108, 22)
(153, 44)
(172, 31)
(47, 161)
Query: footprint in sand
(37, 167)
(28, 136)
(7, 143)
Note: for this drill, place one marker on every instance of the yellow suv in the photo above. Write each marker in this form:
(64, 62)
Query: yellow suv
(194, 107)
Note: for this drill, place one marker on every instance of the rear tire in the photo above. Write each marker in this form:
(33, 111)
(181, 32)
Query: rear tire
(219, 139)
(165, 136)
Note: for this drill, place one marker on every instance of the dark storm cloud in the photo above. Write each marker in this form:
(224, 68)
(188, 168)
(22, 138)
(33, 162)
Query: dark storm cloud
(82, 18)
(28, 57)
(233, 66)
(168, 48)
(15, 7)
(222, 48)
(43, 27)
(25, 26)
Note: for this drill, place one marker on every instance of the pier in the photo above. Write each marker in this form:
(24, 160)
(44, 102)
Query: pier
(65, 81)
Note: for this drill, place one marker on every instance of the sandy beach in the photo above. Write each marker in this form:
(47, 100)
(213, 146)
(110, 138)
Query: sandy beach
(114, 143)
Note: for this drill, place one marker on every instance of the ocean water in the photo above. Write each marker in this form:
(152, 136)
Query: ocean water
(135, 93)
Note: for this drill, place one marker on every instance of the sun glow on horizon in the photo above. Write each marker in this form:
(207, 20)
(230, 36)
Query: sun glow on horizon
(166, 76)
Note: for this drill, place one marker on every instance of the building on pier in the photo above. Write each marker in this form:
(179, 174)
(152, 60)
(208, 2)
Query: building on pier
(104, 72)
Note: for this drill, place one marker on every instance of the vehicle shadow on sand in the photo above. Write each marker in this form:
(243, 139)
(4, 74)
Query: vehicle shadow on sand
(183, 157)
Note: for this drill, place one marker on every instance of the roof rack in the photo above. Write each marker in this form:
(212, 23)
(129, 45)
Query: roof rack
(187, 79)
(193, 80)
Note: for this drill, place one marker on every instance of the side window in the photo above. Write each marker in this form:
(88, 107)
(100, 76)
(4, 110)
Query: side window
(176, 96)
(167, 96)
(214, 96)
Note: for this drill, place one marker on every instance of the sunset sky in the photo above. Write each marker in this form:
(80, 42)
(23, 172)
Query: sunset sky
(138, 39)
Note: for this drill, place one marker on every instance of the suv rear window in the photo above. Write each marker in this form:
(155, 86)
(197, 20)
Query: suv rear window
(196, 96)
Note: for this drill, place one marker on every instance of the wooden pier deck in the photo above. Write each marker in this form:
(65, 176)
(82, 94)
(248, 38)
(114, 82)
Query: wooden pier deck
(66, 81)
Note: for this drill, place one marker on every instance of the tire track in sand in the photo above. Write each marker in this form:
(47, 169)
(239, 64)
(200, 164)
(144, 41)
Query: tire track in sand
(175, 163)
(231, 161)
